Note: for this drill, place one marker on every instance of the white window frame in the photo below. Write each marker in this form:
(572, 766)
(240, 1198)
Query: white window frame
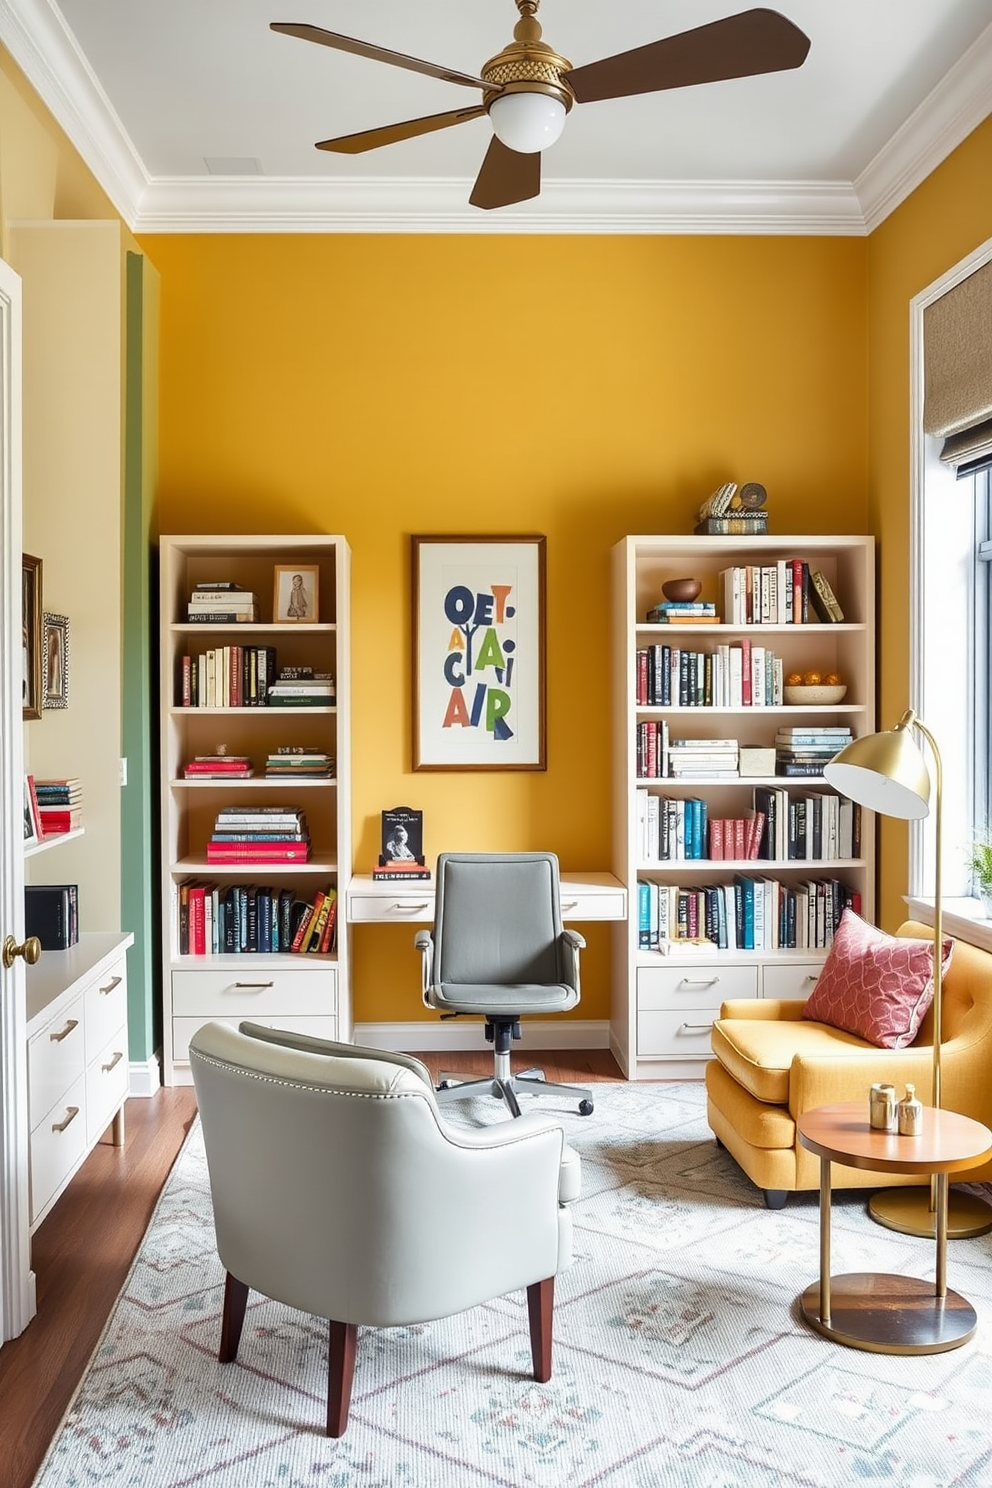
(942, 608)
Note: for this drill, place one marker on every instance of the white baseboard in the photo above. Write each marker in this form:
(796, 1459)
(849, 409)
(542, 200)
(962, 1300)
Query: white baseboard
(145, 1076)
(462, 1033)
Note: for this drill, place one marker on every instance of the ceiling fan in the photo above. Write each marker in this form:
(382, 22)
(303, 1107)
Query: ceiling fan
(527, 88)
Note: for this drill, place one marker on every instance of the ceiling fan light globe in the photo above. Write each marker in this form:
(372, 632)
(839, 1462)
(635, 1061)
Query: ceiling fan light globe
(527, 122)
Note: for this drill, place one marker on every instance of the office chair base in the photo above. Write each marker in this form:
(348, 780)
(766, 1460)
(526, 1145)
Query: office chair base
(451, 1088)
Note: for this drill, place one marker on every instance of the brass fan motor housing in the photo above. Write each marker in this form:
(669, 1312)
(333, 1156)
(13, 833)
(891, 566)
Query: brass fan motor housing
(528, 64)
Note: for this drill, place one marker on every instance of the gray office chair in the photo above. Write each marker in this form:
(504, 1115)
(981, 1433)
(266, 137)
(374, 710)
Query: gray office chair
(498, 951)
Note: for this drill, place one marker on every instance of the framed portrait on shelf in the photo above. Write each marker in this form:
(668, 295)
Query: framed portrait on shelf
(402, 837)
(32, 816)
(55, 661)
(478, 653)
(297, 593)
(31, 635)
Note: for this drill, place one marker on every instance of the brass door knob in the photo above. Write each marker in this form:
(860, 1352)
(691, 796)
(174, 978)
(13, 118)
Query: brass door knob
(30, 950)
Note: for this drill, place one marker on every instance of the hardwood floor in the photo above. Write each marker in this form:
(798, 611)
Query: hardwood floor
(83, 1251)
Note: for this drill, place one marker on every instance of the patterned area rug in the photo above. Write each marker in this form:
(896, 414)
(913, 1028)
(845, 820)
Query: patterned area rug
(680, 1358)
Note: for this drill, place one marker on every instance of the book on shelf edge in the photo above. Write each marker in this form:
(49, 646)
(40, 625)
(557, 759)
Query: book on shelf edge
(395, 874)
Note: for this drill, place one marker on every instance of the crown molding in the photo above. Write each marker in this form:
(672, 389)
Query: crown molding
(956, 106)
(431, 205)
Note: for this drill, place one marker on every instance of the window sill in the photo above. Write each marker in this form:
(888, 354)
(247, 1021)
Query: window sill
(962, 918)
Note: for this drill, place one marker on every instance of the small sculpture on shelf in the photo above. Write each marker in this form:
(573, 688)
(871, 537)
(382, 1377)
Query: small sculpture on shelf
(734, 511)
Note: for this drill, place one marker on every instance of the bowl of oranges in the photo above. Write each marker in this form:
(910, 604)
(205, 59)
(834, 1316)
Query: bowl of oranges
(814, 689)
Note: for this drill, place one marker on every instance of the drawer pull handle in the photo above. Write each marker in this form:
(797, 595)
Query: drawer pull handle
(699, 982)
(571, 904)
(697, 1027)
(71, 1113)
(409, 908)
(254, 986)
(812, 976)
(63, 1033)
(118, 1056)
(114, 982)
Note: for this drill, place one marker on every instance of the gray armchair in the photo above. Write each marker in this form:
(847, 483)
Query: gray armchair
(498, 951)
(338, 1189)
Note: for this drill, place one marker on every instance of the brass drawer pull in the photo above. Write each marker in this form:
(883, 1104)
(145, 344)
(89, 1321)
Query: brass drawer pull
(118, 1056)
(71, 1113)
(254, 986)
(63, 1033)
(696, 1028)
(114, 982)
(699, 982)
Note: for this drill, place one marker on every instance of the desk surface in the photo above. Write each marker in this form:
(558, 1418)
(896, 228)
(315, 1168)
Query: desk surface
(584, 896)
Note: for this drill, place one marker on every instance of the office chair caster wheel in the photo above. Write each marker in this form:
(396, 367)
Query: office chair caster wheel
(444, 1084)
(585, 1108)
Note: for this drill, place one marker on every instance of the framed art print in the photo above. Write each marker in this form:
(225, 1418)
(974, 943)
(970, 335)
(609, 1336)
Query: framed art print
(478, 653)
(296, 595)
(55, 661)
(31, 635)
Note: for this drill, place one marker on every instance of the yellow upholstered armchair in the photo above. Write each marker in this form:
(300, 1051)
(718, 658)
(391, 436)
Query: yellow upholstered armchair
(771, 1065)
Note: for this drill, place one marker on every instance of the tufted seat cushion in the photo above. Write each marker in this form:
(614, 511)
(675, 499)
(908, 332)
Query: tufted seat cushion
(758, 1054)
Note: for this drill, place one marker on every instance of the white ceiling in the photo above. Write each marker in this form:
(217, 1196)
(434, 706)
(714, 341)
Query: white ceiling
(151, 90)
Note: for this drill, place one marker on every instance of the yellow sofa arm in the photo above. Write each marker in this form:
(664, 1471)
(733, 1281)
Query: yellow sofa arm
(825, 1079)
(767, 1008)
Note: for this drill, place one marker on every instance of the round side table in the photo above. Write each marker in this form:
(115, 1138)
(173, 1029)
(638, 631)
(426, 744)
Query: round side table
(869, 1310)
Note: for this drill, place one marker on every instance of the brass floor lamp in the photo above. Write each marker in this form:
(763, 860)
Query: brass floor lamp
(887, 773)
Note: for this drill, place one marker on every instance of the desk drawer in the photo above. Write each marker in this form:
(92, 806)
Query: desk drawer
(683, 986)
(105, 1002)
(789, 978)
(106, 1085)
(405, 905)
(57, 1144)
(56, 1058)
(183, 1029)
(255, 991)
(682, 1034)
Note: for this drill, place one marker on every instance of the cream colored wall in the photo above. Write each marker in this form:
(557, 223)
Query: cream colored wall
(72, 299)
(944, 220)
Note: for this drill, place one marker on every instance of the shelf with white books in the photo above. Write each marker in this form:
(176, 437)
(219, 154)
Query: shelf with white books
(231, 915)
(688, 680)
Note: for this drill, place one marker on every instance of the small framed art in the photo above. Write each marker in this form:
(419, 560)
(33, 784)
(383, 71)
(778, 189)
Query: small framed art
(478, 653)
(32, 816)
(297, 593)
(55, 661)
(31, 635)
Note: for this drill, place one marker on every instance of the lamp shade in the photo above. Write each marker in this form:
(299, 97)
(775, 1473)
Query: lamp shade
(885, 772)
(527, 122)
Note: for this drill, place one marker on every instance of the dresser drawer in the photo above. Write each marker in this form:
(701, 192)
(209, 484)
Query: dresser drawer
(255, 991)
(683, 1034)
(56, 1058)
(105, 1001)
(789, 978)
(402, 906)
(681, 986)
(57, 1145)
(106, 1085)
(183, 1029)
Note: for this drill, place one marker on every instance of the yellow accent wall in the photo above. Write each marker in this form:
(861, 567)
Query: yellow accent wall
(582, 387)
(945, 219)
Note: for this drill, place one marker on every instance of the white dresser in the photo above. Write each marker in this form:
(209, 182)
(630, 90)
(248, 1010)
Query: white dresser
(77, 1058)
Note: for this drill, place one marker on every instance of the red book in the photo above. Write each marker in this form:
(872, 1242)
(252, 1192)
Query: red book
(745, 671)
(197, 933)
(258, 852)
(327, 936)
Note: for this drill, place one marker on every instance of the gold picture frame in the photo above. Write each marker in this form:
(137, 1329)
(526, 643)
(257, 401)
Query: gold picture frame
(31, 609)
(296, 594)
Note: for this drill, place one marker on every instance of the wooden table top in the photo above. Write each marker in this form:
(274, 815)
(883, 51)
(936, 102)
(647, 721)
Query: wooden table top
(948, 1143)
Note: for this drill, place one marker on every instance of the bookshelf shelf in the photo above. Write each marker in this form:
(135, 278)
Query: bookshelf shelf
(664, 1002)
(309, 992)
(54, 841)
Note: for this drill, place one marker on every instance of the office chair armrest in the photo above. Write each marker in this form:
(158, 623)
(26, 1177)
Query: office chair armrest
(574, 939)
(424, 942)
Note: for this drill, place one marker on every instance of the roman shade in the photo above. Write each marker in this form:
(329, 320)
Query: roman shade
(957, 341)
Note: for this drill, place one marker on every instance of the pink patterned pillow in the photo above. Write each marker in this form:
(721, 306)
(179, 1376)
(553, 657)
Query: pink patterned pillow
(874, 985)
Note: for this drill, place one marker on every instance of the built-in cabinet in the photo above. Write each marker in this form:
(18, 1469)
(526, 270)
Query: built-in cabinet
(665, 1001)
(306, 993)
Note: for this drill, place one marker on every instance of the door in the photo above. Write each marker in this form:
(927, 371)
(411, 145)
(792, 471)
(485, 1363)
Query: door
(17, 1300)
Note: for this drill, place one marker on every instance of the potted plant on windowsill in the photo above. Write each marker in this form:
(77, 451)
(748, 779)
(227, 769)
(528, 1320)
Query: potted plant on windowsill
(980, 865)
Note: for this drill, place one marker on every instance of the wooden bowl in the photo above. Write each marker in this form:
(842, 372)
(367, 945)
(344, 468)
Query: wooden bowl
(681, 589)
(807, 696)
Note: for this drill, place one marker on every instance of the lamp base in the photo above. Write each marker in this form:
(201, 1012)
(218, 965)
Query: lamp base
(909, 1211)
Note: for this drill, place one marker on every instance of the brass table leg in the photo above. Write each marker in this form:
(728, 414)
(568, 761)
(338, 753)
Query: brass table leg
(825, 1240)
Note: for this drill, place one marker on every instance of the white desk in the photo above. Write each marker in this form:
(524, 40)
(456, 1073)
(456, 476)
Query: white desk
(584, 896)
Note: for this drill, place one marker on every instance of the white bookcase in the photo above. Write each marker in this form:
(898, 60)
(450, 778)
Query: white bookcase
(306, 993)
(664, 1004)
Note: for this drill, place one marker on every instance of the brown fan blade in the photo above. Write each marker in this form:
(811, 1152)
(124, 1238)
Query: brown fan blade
(375, 53)
(371, 139)
(506, 177)
(743, 45)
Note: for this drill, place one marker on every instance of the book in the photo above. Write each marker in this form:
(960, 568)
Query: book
(395, 872)
(245, 853)
(685, 620)
(220, 617)
(823, 599)
(228, 585)
(739, 525)
(51, 914)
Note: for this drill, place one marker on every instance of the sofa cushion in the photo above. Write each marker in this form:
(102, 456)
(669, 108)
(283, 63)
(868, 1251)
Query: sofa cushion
(758, 1053)
(874, 985)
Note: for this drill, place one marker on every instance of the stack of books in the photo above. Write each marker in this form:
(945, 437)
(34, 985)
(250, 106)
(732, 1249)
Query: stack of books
(221, 603)
(259, 834)
(300, 763)
(717, 758)
(60, 805)
(314, 933)
(684, 612)
(401, 872)
(218, 767)
(805, 751)
(51, 912)
(301, 687)
(226, 677)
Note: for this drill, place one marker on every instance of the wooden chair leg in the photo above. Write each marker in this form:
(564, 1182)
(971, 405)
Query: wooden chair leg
(540, 1311)
(342, 1346)
(232, 1321)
